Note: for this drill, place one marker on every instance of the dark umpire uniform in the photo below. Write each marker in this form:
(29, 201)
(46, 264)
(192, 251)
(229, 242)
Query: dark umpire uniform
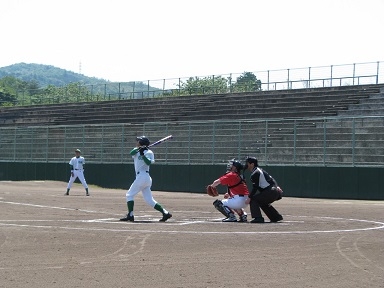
(264, 192)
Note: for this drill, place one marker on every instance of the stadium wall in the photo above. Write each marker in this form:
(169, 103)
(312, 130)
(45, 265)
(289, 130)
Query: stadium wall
(364, 183)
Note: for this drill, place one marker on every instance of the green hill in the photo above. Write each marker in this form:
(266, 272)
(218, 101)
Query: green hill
(46, 75)
(41, 76)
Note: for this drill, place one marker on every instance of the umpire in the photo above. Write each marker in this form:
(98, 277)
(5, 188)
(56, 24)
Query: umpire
(264, 192)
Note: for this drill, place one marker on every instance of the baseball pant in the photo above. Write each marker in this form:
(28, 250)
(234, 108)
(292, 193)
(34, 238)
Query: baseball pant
(77, 174)
(142, 183)
(235, 202)
(263, 201)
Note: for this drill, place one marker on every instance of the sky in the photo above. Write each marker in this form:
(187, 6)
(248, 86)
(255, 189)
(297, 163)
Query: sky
(124, 40)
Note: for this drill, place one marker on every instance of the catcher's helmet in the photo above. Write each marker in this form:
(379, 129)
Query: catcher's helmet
(144, 141)
(235, 163)
(238, 165)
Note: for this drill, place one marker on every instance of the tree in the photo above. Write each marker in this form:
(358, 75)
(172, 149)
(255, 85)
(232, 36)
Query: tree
(8, 88)
(7, 99)
(206, 85)
(246, 82)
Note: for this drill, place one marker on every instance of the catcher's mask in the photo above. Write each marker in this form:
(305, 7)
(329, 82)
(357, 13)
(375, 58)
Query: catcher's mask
(143, 141)
(235, 163)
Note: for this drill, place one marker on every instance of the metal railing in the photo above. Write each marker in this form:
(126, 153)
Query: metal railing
(330, 141)
(292, 78)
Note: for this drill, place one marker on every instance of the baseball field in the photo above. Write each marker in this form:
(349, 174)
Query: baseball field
(51, 240)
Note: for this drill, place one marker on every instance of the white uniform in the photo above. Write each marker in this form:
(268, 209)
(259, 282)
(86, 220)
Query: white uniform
(143, 181)
(78, 171)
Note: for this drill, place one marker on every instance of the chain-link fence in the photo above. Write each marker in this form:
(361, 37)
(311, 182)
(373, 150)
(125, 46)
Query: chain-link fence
(357, 141)
(294, 78)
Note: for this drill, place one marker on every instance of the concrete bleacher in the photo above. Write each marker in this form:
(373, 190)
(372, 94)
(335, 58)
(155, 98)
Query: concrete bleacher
(331, 101)
(296, 119)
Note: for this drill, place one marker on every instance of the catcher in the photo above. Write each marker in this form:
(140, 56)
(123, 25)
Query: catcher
(237, 193)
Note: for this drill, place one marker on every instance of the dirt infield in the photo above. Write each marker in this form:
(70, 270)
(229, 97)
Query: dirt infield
(51, 240)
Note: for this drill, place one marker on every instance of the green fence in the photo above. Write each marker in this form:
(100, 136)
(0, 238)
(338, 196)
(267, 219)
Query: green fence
(365, 183)
(339, 141)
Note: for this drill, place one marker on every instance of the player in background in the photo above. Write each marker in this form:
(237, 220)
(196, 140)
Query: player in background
(264, 192)
(237, 193)
(77, 171)
(142, 158)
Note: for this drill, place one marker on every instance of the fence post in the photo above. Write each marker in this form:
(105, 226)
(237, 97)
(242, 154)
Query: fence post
(288, 87)
(179, 86)
(14, 145)
(239, 141)
(324, 140)
(266, 142)
(377, 72)
(47, 145)
(353, 141)
(213, 141)
(122, 143)
(294, 141)
(189, 143)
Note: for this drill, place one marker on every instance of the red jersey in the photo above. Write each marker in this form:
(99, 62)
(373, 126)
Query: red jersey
(235, 184)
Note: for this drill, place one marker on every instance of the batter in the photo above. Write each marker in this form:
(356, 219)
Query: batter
(143, 157)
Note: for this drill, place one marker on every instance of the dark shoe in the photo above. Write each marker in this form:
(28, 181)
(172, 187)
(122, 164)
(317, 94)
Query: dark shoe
(86, 194)
(165, 217)
(128, 218)
(243, 218)
(258, 220)
(66, 194)
(277, 219)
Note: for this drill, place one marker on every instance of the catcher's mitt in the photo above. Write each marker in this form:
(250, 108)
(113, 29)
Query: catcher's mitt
(212, 191)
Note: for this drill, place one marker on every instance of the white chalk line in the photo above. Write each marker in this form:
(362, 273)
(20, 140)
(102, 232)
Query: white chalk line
(113, 221)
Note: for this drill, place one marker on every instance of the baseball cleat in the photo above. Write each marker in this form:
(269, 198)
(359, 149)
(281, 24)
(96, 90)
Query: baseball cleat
(230, 219)
(66, 194)
(128, 218)
(165, 217)
(243, 218)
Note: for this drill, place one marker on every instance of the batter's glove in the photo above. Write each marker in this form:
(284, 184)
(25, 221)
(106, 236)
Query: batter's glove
(212, 191)
(142, 149)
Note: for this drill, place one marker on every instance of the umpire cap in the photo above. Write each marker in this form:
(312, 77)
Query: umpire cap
(144, 141)
(252, 160)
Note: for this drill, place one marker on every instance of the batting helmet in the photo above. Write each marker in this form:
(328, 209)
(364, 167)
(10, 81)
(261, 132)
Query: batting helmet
(144, 141)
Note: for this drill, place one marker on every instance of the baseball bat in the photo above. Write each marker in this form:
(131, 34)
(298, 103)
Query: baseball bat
(161, 140)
